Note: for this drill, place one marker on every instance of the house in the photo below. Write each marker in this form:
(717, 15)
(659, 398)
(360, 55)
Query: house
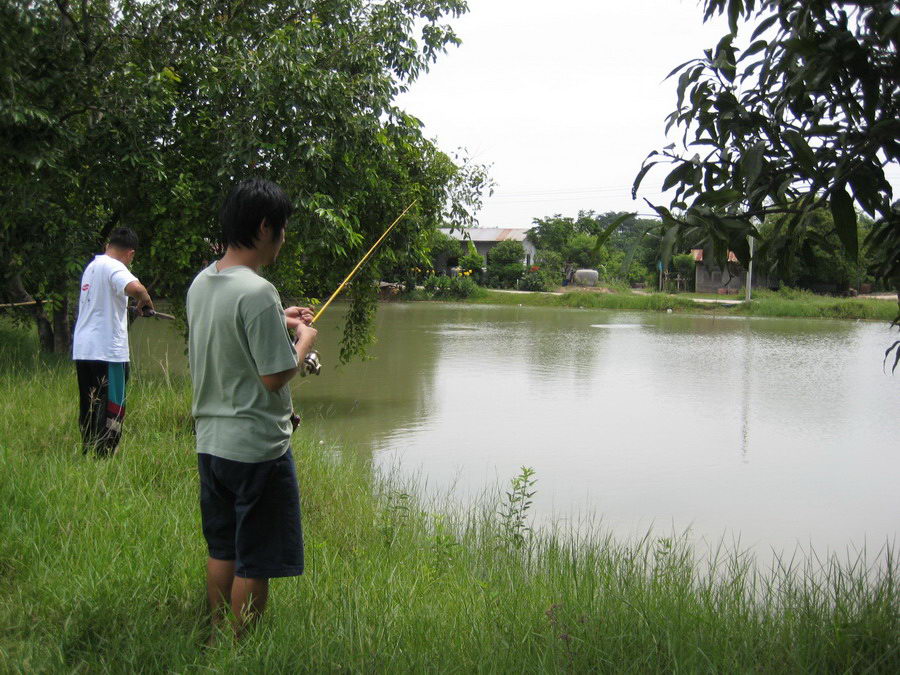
(710, 278)
(485, 238)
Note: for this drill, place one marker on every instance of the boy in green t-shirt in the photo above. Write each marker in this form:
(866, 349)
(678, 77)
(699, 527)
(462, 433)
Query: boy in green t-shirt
(241, 358)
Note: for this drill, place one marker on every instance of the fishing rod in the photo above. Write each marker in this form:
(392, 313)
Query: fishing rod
(311, 363)
(146, 311)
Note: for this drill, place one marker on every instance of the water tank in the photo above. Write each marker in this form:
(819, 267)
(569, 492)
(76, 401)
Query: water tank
(586, 277)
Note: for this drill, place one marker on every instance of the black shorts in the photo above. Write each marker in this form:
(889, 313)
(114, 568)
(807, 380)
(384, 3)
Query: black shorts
(251, 514)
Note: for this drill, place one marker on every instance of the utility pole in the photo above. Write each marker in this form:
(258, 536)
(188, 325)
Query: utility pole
(749, 293)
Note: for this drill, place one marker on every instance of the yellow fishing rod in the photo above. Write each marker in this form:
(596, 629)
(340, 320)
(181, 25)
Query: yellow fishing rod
(311, 364)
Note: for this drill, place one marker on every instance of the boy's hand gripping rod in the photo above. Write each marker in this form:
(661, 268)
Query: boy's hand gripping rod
(311, 364)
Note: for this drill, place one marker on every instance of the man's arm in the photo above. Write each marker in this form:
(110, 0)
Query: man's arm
(136, 290)
(306, 337)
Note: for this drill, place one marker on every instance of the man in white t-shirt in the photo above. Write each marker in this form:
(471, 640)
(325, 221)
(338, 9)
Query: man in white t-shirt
(100, 343)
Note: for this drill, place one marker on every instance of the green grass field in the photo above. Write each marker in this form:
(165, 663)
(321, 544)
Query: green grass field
(101, 569)
(788, 303)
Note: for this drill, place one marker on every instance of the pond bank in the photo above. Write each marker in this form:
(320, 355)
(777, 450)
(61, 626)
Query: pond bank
(765, 303)
(101, 569)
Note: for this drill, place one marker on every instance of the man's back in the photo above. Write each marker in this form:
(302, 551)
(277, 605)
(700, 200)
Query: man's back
(238, 333)
(101, 332)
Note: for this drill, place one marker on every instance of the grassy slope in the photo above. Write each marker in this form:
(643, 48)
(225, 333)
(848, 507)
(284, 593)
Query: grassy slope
(101, 570)
(766, 303)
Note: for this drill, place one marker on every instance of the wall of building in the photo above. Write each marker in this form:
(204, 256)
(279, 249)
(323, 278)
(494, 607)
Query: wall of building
(710, 278)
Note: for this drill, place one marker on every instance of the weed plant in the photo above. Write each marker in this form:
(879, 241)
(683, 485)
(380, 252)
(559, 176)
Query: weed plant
(102, 569)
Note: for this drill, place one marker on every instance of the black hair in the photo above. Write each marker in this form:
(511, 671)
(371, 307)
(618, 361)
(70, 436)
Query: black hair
(245, 207)
(123, 237)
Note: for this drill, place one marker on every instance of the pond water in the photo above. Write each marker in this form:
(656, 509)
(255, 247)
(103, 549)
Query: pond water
(774, 433)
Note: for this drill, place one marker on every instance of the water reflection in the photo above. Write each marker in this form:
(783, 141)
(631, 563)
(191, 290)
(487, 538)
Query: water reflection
(775, 431)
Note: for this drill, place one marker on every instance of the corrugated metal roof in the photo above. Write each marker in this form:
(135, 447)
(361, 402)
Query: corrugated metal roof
(489, 233)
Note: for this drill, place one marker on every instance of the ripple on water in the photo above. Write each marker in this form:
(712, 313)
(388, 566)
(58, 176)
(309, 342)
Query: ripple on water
(618, 325)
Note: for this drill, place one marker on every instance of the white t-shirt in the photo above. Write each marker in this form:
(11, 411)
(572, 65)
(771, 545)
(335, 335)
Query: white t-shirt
(101, 332)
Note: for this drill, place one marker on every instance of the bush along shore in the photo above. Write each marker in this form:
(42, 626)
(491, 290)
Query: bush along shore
(782, 303)
(102, 569)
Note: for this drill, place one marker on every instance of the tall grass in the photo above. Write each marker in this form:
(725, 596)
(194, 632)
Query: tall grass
(791, 303)
(588, 299)
(101, 570)
(798, 303)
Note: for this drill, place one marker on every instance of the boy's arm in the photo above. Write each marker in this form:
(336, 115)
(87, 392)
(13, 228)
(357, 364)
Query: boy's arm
(136, 290)
(306, 336)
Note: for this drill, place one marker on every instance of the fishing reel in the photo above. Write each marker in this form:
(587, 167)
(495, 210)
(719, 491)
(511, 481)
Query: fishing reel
(311, 364)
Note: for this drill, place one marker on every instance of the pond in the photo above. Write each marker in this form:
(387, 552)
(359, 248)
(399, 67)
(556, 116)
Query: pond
(774, 433)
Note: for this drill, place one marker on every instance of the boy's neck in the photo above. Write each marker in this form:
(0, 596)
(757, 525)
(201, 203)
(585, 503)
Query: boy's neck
(117, 254)
(247, 257)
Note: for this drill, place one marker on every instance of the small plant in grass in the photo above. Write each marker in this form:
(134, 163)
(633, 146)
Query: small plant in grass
(394, 516)
(442, 544)
(514, 512)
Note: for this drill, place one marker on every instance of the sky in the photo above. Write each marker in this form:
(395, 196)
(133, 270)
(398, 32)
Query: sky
(562, 99)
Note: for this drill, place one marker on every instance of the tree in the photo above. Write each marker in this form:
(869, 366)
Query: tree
(817, 261)
(805, 117)
(505, 263)
(144, 112)
(581, 250)
(552, 233)
(575, 239)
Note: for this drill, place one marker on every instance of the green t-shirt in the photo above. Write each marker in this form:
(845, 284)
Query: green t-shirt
(237, 333)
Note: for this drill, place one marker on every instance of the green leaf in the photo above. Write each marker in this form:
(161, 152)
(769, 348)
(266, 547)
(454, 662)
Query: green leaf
(668, 241)
(606, 233)
(677, 175)
(763, 26)
(845, 221)
(640, 177)
(735, 7)
(755, 48)
(677, 68)
(803, 154)
(751, 164)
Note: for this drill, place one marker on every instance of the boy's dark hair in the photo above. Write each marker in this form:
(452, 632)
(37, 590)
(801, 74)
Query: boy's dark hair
(123, 237)
(245, 207)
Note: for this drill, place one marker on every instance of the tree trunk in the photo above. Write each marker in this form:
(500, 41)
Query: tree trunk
(62, 329)
(45, 331)
(44, 328)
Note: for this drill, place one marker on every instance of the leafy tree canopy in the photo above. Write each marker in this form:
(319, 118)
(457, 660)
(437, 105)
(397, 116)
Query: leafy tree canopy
(805, 116)
(143, 113)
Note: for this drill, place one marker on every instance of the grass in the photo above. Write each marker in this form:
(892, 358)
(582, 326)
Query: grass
(787, 303)
(101, 569)
(790, 302)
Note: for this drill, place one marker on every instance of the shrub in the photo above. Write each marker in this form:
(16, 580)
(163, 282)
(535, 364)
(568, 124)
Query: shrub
(442, 247)
(538, 278)
(505, 266)
(551, 262)
(450, 288)
(473, 264)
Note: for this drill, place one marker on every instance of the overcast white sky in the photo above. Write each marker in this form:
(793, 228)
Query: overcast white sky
(563, 98)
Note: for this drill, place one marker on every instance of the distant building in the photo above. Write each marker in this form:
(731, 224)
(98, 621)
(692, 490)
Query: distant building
(485, 238)
(710, 278)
